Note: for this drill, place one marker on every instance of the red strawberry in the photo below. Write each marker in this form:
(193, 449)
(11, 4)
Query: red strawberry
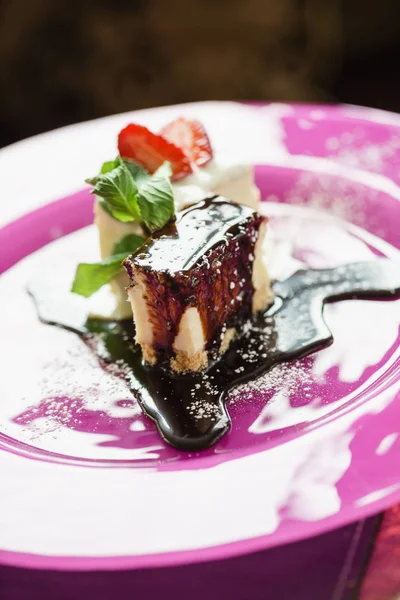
(151, 150)
(191, 137)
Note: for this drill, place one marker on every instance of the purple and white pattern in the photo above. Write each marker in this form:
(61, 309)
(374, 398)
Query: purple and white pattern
(314, 444)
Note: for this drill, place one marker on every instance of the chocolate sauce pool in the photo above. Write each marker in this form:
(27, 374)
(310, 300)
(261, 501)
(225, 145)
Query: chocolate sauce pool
(189, 410)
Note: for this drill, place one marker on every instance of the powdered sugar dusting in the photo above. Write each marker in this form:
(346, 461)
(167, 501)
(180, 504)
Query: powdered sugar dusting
(285, 376)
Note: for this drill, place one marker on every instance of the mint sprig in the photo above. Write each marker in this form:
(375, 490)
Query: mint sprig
(118, 190)
(128, 193)
(155, 198)
(90, 277)
(128, 244)
(109, 165)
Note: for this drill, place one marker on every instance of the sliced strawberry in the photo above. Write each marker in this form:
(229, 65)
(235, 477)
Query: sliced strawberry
(151, 150)
(191, 136)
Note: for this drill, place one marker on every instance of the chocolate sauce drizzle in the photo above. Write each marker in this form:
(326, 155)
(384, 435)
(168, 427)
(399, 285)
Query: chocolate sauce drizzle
(189, 410)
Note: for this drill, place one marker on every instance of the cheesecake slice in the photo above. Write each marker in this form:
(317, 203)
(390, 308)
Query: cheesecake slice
(234, 181)
(203, 174)
(196, 282)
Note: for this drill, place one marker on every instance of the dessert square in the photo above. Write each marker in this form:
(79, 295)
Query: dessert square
(195, 283)
(196, 172)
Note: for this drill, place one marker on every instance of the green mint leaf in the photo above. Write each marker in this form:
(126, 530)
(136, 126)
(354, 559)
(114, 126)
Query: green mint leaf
(118, 191)
(91, 277)
(155, 198)
(106, 167)
(128, 193)
(139, 174)
(128, 244)
(109, 165)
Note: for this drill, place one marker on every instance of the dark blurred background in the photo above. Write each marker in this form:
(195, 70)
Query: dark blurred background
(63, 61)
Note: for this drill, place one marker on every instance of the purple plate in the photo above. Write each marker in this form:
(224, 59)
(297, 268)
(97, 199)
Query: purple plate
(314, 444)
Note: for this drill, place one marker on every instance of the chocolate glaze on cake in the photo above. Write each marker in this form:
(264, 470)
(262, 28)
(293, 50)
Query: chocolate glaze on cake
(183, 243)
(204, 259)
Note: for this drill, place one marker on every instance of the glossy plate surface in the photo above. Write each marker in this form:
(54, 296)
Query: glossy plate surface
(314, 444)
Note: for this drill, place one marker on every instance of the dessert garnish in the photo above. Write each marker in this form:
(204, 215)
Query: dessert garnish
(134, 196)
(150, 150)
(183, 143)
(129, 194)
(191, 136)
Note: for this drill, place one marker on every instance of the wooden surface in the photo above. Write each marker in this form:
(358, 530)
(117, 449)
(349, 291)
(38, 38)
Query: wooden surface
(382, 579)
